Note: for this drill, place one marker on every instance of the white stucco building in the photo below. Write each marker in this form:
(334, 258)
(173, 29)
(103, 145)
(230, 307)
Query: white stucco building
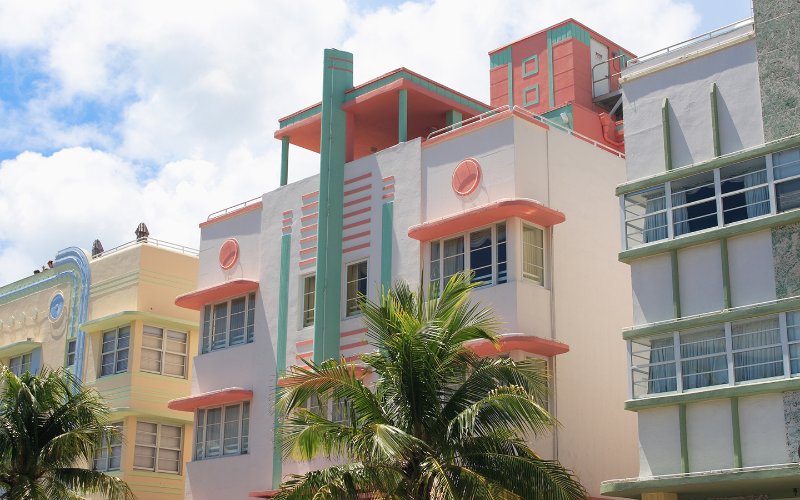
(415, 180)
(712, 237)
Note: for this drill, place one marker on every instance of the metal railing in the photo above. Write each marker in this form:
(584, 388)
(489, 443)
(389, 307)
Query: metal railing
(608, 75)
(534, 116)
(233, 208)
(152, 242)
(710, 35)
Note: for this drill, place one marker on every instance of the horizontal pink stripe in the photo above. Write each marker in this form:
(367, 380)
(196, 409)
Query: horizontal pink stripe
(287, 213)
(355, 235)
(357, 247)
(354, 345)
(356, 224)
(305, 355)
(358, 189)
(308, 217)
(388, 178)
(388, 196)
(287, 221)
(301, 343)
(359, 178)
(307, 229)
(388, 187)
(357, 212)
(356, 202)
(313, 204)
(286, 230)
(307, 262)
(353, 332)
(307, 239)
(353, 358)
(307, 251)
(310, 195)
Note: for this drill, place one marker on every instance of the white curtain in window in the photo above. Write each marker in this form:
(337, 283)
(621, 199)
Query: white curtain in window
(762, 356)
(680, 215)
(704, 362)
(661, 377)
(655, 226)
(757, 200)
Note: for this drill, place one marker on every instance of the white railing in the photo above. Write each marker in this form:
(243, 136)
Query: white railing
(692, 41)
(233, 208)
(152, 242)
(483, 116)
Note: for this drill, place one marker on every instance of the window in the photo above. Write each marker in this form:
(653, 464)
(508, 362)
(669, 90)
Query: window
(757, 349)
(742, 190)
(228, 323)
(732, 353)
(309, 287)
(158, 447)
(20, 364)
(115, 351)
(109, 453)
(356, 287)
(164, 351)
(72, 347)
(222, 431)
(488, 261)
(533, 254)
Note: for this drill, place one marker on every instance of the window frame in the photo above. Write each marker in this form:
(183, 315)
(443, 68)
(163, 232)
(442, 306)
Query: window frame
(72, 353)
(116, 351)
(25, 363)
(201, 428)
(307, 315)
(348, 313)
(158, 447)
(208, 325)
(467, 254)
(163, 352)
(543, 280)
(109, 450)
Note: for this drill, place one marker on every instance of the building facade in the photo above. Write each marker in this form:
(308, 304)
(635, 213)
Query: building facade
(111, 320)
(417, 181)
(712, 237)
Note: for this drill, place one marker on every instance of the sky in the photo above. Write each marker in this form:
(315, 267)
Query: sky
(115, 113)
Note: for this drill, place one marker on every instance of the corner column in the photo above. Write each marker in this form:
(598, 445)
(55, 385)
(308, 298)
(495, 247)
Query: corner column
(337, 78)
(284, 160)
(402, 116)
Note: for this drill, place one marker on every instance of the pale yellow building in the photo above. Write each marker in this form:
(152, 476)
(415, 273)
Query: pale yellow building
(111, 319)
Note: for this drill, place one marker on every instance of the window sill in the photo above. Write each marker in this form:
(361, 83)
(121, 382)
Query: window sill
(220, 457)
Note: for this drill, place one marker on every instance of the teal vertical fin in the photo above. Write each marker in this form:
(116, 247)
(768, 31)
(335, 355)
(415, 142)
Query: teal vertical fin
(337, 78)
(667, 137)
(280, 351)
(284, 160)
(715, 119)
(387, 231)
(402, 116)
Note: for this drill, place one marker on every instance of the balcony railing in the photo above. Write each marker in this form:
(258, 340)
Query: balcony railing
(152, 242)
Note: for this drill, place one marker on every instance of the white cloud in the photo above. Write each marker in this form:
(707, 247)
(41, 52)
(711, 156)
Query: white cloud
(201, 86)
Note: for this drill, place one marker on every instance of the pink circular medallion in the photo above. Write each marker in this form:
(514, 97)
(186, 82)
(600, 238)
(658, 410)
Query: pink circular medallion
(228, 254)
(466, 177)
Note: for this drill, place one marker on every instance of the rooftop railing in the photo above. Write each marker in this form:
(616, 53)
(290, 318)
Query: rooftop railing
(152, 242)
(233, 208)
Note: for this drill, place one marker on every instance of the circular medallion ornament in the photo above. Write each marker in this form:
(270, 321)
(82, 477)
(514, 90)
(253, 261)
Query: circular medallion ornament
(56, 306)
(228, 254)
(466, 177)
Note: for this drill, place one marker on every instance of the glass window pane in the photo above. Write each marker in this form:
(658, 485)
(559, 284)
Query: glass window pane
(251, 317)
(757, 350)
(237, 321)
(502, 264)
(213, 423)
(205, 343)
(703, 359)
(231, 432)
(309, 288)
(533, 254)
(151, 361)
(220, 336)
(356, 286)
(786, 163)
(480, 255)
(152, 337)
(645, 216)
(694, 205)
(453, 261)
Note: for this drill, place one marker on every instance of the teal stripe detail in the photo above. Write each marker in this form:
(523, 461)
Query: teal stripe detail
(569, 30)
(510, 85)
(715, 119)
(328, 293)
(402, 116)
(726, 273)
(284, 160)
(452, 117)
(280, 354)
(500, 58)
(387, 232)
(554, 115)
(550, 68)
(666, 133)
(684, 439)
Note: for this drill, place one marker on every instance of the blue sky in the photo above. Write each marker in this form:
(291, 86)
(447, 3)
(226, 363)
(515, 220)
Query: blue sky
(117, 113)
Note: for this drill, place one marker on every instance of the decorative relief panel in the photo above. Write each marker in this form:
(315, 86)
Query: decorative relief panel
(791, 415)
(786, 259)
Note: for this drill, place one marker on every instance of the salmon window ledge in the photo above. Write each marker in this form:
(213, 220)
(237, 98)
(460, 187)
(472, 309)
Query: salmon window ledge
(524, 208)
(518, 341)
(198, 298)
(212, 398)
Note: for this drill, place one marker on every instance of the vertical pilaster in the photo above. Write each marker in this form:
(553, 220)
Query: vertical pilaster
(337, 78)
(280, 354)
(714, 119)
(737, 436)
(452, 116)
(284, 160)
(684, 439)
(726, 273)
(666, 133)
(676, 284)
(387, 231)
(402, 116)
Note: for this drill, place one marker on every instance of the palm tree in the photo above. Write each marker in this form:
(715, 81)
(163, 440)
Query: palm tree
(439, 422)
(49, 426)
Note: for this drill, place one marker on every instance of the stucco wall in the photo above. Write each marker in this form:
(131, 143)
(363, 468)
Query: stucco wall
(700, 271)
(786, 260)
(751, 268)
(687, 86)
(709, 432)
(651, 279)
(660, 446)
(761, 425)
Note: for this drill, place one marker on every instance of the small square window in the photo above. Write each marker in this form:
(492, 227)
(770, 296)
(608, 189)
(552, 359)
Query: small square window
(72, 347)
(309, 288)
(530, 95)
(530, 66)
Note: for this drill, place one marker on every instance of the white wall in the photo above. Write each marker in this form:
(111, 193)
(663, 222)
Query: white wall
(687, 86)
(246, 228)
(651, 279)
(752, 271)
(659, 441)
(700, 276)
(709, 433)
(762, 430)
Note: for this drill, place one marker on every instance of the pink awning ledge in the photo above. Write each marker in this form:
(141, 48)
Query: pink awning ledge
(518, 341)
(213, 398)
(198, 298)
